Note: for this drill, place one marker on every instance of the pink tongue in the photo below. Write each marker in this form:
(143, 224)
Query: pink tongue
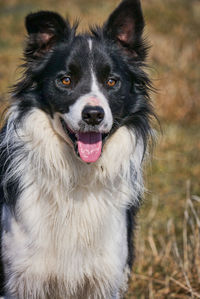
(89, 146)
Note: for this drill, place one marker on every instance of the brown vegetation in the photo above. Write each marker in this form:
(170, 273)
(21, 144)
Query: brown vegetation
(168, 264)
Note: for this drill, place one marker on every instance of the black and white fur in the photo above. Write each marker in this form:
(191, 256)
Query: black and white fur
(67, 224)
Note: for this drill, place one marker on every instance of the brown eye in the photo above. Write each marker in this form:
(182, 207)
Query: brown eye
(111, 82)
(66, 81)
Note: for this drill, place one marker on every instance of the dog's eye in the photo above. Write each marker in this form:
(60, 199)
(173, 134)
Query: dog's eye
(111, 82)
(66, 81)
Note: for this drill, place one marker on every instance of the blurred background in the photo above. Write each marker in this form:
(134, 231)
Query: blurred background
(168, 235)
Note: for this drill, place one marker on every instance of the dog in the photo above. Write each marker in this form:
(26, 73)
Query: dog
(72, 150)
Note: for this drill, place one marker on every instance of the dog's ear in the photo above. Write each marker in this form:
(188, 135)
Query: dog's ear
(125, 26)
(44, 29)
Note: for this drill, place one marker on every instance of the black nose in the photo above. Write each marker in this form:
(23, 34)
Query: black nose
(93, 115)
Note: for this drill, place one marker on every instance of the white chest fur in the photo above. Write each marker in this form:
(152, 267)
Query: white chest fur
(70, 223)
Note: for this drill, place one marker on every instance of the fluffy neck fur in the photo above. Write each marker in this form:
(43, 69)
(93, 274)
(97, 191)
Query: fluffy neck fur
(51, 160)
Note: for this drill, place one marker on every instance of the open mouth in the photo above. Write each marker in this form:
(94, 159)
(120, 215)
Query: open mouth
(87, 145)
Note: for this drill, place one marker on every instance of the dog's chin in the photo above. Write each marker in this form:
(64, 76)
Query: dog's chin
(88, 146)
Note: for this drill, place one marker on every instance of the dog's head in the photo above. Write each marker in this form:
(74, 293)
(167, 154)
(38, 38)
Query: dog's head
(89, 84)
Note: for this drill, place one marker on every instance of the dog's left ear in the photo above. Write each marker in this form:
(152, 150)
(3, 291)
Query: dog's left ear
(45, 29)
(125, 26)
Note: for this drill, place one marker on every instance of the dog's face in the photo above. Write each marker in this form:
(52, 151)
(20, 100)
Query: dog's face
(88, 84)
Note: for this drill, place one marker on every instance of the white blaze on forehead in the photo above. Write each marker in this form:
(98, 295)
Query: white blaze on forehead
(90, 44)
(95, 87)
(103, 102)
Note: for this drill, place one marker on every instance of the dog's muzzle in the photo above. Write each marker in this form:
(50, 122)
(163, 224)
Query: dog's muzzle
(88, 140)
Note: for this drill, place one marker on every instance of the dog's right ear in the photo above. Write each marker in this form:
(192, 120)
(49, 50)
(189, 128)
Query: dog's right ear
(125, 27)
(44, 29)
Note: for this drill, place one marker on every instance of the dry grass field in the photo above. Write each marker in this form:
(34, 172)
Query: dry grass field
(168, 236)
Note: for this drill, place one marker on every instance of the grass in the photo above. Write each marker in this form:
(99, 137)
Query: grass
(168, 264)
(173, 28)
(168, 244)
(168, 237)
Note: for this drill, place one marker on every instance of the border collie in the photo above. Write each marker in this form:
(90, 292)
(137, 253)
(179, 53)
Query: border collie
(71, 158)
